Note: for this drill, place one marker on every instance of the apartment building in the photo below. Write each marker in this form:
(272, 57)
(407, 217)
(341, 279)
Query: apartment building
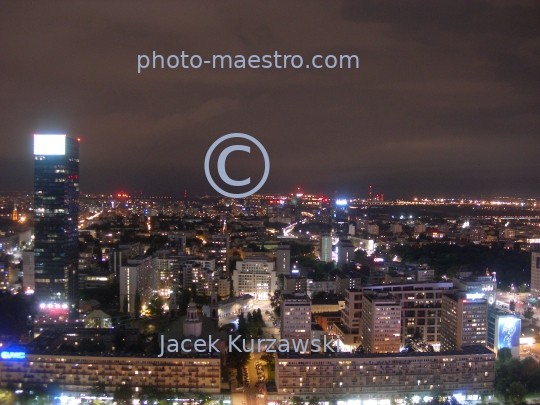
(47, 360)
(79, 374)
(200, 273)
(139, 275)
(467, 374)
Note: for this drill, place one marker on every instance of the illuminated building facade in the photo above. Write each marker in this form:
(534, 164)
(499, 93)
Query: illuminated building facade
(381, 323)
(78, 374)
(420, 308)
(56, 193)
(340, 218)
(380, 378)
(295, 316)
(201, 274)
(464, 320)
(256, 276)
(219, 250)
(504, 331)
(139, 275)
(486, 285)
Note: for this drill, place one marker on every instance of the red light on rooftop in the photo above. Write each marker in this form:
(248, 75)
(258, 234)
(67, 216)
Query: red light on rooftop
(78, 139)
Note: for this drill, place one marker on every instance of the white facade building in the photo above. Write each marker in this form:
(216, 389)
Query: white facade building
(256, 276)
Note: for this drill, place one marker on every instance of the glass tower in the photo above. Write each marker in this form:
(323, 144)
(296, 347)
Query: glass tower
(56, 194)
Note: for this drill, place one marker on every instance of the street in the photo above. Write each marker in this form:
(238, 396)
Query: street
(250, 395)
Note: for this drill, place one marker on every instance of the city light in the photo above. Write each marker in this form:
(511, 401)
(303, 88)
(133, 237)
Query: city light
(49, 145)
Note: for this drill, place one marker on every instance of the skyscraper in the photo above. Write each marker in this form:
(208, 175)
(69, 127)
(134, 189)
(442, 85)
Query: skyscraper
(56, 193)
(464, 320)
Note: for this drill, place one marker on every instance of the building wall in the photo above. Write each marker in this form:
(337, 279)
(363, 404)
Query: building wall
(56, 244)
(345, 376)
(326, 248)
(421, 308)
(79, 374)
(316, 286)
(29, 275)
(381, 324)
(283, 260)
(464, 321)
(535, 274)
(255, 276)
(296, 317)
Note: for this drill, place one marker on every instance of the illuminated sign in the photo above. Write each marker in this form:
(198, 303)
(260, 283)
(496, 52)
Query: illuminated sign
(475, 296)
(341, 202)
(12, 355)
(49, 144)
(509, 332)
(378, 259)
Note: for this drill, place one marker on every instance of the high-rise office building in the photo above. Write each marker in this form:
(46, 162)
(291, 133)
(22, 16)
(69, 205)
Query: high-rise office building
(381, 323)
(56, 192)
(464, 320)
(283, 260)
(340, 218)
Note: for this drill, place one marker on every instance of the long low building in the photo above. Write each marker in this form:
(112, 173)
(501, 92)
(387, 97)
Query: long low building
(468, 374)
(79, 373)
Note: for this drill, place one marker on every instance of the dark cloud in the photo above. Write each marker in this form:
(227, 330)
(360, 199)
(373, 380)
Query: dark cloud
(446, 100)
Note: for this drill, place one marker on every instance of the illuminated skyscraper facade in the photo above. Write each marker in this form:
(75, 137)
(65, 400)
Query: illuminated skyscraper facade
(56, 192)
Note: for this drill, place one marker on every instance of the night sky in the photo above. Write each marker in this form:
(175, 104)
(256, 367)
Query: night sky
(446, 101)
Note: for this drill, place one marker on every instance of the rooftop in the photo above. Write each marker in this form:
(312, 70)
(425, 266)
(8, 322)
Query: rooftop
(466, 350)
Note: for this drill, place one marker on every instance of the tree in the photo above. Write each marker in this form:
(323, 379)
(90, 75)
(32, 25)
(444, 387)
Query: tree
(528, 313)
(296, 400)
(516, 393)
(242, 325)
(98, 389)
(7, 397)
(359, 350)
(504, 354)
(123, 394)
(268, 358)
(155, 307)
(314, 401)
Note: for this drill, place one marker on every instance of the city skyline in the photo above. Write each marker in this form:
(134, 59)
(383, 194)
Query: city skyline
(444, 101)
